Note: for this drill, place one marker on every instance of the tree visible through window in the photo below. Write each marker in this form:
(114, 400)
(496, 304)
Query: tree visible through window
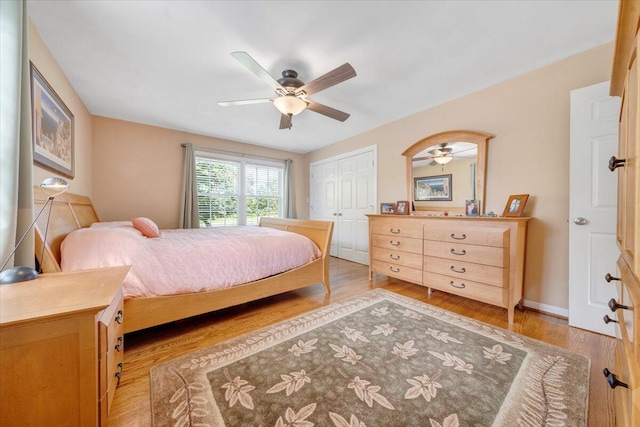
(237, 192)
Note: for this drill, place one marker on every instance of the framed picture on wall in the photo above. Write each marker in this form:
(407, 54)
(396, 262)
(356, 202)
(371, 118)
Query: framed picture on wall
(431, 188)
(515, 205)
(52, 127)
(402, 207)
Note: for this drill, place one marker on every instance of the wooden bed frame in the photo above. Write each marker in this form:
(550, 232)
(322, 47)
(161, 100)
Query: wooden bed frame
(70, 212)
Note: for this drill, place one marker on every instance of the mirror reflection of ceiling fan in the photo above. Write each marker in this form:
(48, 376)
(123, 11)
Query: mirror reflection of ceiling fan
(446, 152)
(292, 92)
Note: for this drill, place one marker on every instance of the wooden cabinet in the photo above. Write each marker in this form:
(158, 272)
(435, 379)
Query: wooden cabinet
(57, 348)
(625, 82)
(478, 258)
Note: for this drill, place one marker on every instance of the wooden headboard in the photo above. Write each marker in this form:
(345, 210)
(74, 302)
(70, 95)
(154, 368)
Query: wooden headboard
(69, 212)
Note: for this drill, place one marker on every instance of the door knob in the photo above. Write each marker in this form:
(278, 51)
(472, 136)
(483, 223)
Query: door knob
(580, 221)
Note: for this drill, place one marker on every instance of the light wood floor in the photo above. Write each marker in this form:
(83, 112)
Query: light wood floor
(144, 349)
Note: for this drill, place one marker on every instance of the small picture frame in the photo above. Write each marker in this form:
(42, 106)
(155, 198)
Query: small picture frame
(402, 207)
(472, 207)
(515, 205)
(387, 208)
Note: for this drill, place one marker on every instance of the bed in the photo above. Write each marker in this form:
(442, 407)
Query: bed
(71, 212)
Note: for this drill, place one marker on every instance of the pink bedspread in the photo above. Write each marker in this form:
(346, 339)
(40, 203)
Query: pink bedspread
(185, 261)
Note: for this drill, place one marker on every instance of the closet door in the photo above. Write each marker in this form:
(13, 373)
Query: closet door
(356, 193)
(343, 190)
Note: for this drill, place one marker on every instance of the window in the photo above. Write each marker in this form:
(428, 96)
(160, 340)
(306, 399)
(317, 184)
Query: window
(236, 191)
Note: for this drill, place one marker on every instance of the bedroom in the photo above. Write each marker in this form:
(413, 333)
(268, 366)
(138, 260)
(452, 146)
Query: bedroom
(526, 113)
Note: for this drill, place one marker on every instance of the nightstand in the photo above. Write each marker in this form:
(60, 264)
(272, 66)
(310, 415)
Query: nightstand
(61, 346)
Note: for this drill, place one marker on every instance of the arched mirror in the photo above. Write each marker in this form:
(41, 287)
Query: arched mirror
(446, 169)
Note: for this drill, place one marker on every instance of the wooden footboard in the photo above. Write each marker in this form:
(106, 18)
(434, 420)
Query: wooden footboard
(141, 313)
(71, 212)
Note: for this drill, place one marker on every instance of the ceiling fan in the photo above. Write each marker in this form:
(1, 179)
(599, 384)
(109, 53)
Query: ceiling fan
(292, 92)
(442, 155)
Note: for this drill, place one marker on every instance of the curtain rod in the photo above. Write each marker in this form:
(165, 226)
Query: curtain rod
(235, 153)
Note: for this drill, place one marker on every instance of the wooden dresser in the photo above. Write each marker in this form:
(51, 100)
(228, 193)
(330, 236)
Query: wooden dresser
(61, 348)
(625, 82)
(478, 258)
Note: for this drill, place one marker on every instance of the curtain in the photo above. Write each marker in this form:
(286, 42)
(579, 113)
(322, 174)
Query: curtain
(16, 156)
(189, 217)
(289, 203)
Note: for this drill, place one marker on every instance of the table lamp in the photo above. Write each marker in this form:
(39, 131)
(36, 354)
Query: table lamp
(51, 187)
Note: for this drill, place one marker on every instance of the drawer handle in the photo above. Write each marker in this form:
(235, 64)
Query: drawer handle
(455, 286)
(612, 380)
(462, 270)
(118, 374)
(118, 346)
(394, 257)
(394, 231)
(613, 305)
(453, 251)
(615, 163)
(395, 270)
(607, 319)
(609, 278)
(119, 317)
(453, 236)
(392, 243)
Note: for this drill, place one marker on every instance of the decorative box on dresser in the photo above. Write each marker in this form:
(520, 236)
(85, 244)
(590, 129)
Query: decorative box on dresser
(481, 258)
(625, 82)
(61, 348)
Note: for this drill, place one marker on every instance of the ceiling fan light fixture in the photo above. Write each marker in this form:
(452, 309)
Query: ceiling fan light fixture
(442, 160)
(289, 104)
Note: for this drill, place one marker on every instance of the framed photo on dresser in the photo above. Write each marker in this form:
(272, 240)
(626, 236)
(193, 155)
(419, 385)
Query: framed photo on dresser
(402, 207)
(515, 205)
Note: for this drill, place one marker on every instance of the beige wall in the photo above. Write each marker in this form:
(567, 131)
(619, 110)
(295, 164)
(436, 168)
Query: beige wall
(45, 63)
(138, 169)
(530, 154)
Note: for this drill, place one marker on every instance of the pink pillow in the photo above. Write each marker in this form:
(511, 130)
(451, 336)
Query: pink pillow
(146, 226)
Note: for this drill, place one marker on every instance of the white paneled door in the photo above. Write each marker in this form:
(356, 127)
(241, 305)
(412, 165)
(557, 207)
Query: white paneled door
(343, 190)
(592, 207)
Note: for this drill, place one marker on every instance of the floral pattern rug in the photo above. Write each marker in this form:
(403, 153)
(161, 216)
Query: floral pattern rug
(379, 359)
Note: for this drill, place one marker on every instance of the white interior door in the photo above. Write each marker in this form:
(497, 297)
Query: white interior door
(343, 190)
(592, 208)
(356, 194)
(324, 197)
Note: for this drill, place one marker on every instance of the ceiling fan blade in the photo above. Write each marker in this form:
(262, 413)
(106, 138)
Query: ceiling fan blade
(245, 102)
(255, 68)
(327, 111)
(285, 121)
(338, 75)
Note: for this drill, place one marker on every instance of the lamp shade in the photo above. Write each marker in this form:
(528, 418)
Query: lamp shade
(289, 104)
(442, 160)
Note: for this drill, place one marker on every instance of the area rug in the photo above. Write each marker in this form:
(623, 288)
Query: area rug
(379, 359)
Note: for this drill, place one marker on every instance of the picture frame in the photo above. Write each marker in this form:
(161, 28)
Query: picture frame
(387, 208)
(52, 124)
(402, 207)
(432, 188)
(472, 207)
(515, 205)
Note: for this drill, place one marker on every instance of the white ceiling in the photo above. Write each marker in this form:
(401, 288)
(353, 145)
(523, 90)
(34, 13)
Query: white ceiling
(167, 63)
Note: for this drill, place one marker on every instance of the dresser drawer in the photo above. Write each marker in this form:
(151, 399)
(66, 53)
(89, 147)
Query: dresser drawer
(110, 351)
(405, 259)
(397, 227)
(475, 235)
(490, 255)
(629, 295)
(460, 270)
(404, 244)
(467, 288)
(412, 275)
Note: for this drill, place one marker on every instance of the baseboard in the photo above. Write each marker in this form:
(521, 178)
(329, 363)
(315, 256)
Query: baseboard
(546, 308)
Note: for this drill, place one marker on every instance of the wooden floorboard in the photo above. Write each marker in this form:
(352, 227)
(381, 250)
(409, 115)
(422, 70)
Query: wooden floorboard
(144, 349)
